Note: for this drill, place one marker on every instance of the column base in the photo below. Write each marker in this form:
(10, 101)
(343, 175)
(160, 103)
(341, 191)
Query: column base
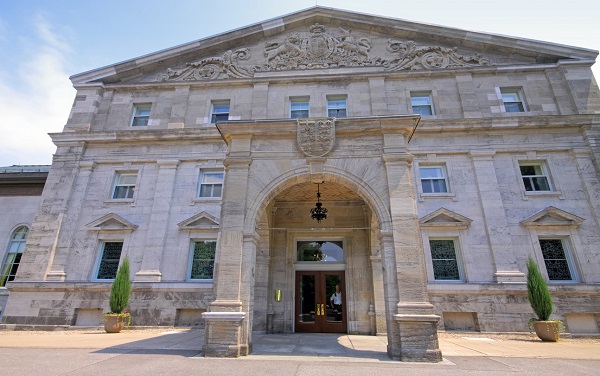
(223, 335)
(56, 276)
(148, 276)
(418, 339)
(510, 277)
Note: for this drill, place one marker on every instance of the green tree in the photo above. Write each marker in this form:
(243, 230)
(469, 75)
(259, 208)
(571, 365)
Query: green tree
(537, 292)
(121, 289)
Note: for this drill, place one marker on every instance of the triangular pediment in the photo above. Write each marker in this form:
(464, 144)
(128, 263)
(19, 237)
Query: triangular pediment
(200, 221)
(111, 222)
(322, 38)
(444, 218)
(552, 217)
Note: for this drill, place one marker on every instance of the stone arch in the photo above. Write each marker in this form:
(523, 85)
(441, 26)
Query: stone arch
(330, 174)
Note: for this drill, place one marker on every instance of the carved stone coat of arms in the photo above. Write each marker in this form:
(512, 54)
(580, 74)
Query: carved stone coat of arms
(316, 136)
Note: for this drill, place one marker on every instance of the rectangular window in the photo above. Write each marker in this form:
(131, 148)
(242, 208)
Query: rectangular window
(444, 259)
(534, 177)
(512, 99)
(421, 103)
(555, 259)
(109, 260)
(299, 107)
(141, 115)
(433, 179)
(219, 111)
(337, 106)
(124, 185)
(211, 184)
(203, 259)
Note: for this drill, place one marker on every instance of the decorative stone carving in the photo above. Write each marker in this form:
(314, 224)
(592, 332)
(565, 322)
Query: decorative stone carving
(316, 136)
(318, 49)
(428, 57)
(212, 68)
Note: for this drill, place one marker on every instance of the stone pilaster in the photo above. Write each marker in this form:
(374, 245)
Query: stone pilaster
(415, 332)
(226, 332)
(589, 178)
(260, 100)
(70, 222)
(180, 105)
(378, 97)
(155, 239)
(468, 98)
(506, 265)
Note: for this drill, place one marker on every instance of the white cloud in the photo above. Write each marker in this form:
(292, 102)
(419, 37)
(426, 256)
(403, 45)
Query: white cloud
(37, 100)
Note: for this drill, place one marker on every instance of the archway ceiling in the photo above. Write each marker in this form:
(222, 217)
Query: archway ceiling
(308, 192)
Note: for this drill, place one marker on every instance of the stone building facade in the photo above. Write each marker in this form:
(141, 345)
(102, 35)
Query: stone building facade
(445, 158)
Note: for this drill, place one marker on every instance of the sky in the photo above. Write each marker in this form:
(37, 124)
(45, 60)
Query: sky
(42, 43)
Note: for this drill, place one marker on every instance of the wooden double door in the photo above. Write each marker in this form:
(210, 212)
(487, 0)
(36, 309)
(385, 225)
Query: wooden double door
(320, 302)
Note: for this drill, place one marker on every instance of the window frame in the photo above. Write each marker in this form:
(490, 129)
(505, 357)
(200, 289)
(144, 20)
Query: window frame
(422, 94)
(118, 175)
(567, 250)
(443, 169)
(4, 278)
(214, 113)
(98, 263)
(136, 108)
(201, 175)
(299, 99)
(518, 91)
(457, 255)
(330, 99)
(192, 247)
(545, 173)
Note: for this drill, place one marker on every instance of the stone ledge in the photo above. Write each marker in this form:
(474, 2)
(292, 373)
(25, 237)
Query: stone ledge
(224, 316)
(417, 318)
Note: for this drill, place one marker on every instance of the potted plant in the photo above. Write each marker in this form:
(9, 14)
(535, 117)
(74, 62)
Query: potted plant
(541, 302)
(118, 318)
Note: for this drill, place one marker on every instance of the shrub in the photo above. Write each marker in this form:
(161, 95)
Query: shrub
(537, 292)
(121, 289)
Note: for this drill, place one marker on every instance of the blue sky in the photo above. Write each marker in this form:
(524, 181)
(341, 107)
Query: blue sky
(42, 43)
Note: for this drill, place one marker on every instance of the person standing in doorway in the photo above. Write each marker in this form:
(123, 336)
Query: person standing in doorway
(336, 299)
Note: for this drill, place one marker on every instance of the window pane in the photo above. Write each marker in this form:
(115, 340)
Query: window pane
(422, 110)
(555, 260)
(510, 97)
(514, 107)
(431, 172)
(420, 101)
(299, 106)
(427, 186)
(127, 179)
(109, 263)
(203, 260)
(540, 184)
(439, 185)
(121, 192)
(528, 170)
(220, 108)
(212, 177)
(320, 251)
(443, 257)
(299, 114)
(143, 111)
(140, 122)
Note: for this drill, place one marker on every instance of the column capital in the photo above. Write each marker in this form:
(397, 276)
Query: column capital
(398, 159)
(167, 163)
(87, 165)
(482, 155)
(232, 162)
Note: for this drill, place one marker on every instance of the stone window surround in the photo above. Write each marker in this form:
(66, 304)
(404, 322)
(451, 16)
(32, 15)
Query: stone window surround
(299, 99)
(219, 102)
(535, 158)
(571, 242)
(521, 91)
(117, 236)
(434, 160)
(336, 97)
(295, 236)
(204, 171)
(447, 234)
(421, 89)
(110, 183)
(208, 165)
(211, 236)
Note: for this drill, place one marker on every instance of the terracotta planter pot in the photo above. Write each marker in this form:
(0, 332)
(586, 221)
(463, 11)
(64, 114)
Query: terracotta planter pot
(114, 323)
(547, 330)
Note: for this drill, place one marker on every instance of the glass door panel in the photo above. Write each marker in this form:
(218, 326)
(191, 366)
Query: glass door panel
(307, 299)
(320, 302)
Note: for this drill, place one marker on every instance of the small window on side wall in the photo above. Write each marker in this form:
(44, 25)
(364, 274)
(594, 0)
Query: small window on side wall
(535, 176)
(13, 255)
(299, 107)
(141, 114)
(444, 257)
(109, 260)
(211, 183)
(202, 261)
(337, 106)
(557, 260)
(433, 178)
(421, 103)
(219, 111)
(124, 185)
(512, 99)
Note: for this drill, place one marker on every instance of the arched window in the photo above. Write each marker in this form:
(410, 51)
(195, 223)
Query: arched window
(13, 256)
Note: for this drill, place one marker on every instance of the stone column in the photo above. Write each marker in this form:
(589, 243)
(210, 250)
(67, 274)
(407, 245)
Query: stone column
(505, 261)
(69, 223)
(414, 326)
(378, 285)
(225, 335)
(157, 230)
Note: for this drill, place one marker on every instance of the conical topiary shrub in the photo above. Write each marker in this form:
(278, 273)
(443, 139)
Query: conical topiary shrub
(541, 302)
(120, 291)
